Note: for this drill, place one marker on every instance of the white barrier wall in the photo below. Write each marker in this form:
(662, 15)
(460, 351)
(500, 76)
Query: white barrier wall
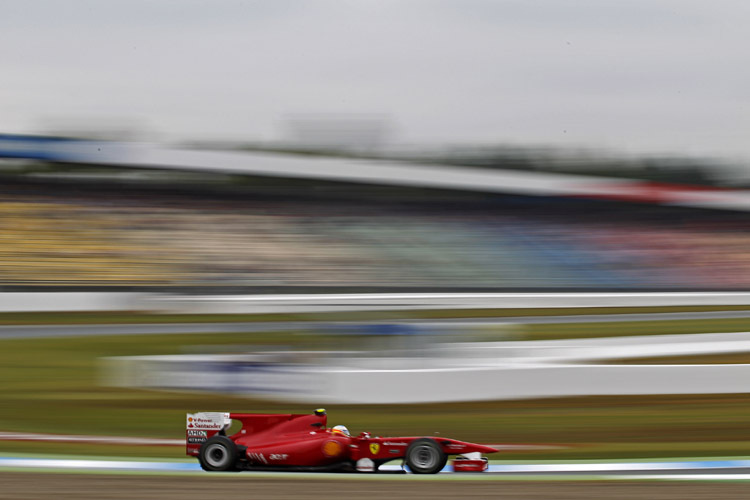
(316, 384)
(394, 301)
(69, 301)
(424, 386)
(232, 304)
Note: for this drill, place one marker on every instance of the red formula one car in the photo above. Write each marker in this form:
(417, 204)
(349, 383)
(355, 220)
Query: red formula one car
(305, 443)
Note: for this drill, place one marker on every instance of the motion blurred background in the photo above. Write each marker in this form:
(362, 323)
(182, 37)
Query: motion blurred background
(253, 206)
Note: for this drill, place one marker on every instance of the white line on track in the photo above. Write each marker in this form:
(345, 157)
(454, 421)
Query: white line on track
(686, 477)
(92, 464)
(27, 436)
(604, 470)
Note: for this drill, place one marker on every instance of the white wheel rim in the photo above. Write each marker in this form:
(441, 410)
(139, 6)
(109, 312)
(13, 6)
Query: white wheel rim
(216, 455)
(424, 457)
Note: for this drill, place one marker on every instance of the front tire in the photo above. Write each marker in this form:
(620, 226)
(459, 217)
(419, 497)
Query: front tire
(218, 454)
(424, 456)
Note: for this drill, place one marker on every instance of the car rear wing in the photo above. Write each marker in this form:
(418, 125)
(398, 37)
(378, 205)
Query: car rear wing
(201, 426)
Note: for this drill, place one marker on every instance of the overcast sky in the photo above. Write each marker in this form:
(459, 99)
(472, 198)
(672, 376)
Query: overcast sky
(670, 76)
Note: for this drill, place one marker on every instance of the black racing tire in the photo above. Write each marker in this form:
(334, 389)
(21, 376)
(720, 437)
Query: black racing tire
(218, 454)
(425, 456)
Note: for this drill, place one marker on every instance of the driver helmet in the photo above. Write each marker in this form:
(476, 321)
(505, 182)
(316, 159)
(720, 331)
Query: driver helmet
(340, 429)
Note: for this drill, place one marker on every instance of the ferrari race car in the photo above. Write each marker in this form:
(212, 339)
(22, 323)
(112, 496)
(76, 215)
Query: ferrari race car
(303, 442)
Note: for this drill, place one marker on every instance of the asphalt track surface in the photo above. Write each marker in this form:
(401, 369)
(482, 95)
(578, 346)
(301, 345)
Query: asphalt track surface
(50, 331)
(33, 486)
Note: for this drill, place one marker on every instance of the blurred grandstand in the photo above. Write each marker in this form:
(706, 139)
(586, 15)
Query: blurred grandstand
(72, 226)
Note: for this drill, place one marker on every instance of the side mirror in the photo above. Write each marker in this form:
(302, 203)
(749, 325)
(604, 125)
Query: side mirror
(317, 424)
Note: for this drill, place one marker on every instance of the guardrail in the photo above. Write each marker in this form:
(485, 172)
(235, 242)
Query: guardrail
(70, 301)
(292, 303)
(399, 301)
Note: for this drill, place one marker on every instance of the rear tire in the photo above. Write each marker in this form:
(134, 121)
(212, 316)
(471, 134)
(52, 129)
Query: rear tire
(218, 454)
(425, 456)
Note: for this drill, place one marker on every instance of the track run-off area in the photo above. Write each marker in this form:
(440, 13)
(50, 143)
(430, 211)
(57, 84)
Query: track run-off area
(85, 330)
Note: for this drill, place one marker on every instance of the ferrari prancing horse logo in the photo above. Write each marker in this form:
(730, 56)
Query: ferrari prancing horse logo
(374, 448)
